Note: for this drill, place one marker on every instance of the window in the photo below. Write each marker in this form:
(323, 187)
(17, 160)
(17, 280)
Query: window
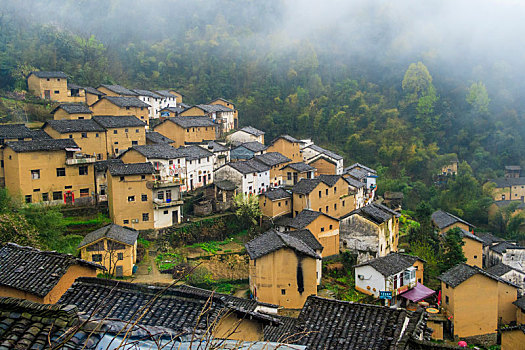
(475, 256)
(84, 135)
(127, 108)
(83, 170)
(96, 257)
(131, 198)
(335, 190)
(2, 163)
(122, 178)
(126, 222)
(120, 256)
(84, 192)
(144, 197)
(335, 206)
(126, 130)
(322, 229)
(45, 197)
(29, 198)
(134, 143)
(160, 195)
(289, 176)
(61, 172)
(57, 195)
(446, 299)
(327, 191)
(166, 212)
(142, 177)
(327, 208)
(137, 131)
(96, 135)
(116, 142)
(70, 136)
(57, 91)
(145, 216)
(331, 226)
(320, 194)
(446, 286)
(283, 291)
(279, 204)
(115, 132)
(35, 174)
(116, 150)
(343, 203)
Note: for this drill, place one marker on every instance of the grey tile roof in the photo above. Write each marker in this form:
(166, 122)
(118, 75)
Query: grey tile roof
(272, 159)
(15, 131)
(190, 122)
(214, 108)
(121, 90)
(125, 101)
(110, 121)
(48, 74)
(329, 180)
(443, 219)
(214, 146)
(225, 185)
(194, 152)
(391, 264)
(277, 193)
(488, 238)
(307, 237)
(305, 186)
(180, 309)
(253, 146)
(518, 327)
(342, 325)
(39, 134)
(42, 145)
(252, 131)
(73, 108)
(354, 183)
(326, 152)
(502, 247)
(183, 105)
(501, 269)
(155, 137)
(520, 303)
(121, 169)
(146, 93)
(359, 166)
(287, 138)
(470, 235)
(374, 212)
(462, 272)
(35, 271)
(284, 332)
(72, 86)
(164, 93)
(93, 91)
(221, 99)
(114, 232)
(272, 241)
(102, 165)
(305, 218)
(66, 126)
(503, 204)
(248, 166)
(507, 182)
(177, 110)
(158, 151)
(358, 174)
(512, 167)
(300, 167)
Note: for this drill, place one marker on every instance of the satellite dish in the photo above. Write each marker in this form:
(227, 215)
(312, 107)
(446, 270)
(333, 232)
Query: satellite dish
(149, 185)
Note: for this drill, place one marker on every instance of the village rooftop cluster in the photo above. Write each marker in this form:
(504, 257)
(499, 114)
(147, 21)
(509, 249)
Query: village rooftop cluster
(143, 152)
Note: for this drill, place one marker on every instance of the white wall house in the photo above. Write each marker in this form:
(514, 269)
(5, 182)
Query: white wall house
(246, 134)
(168, 99)
(250, 176)
(314, 152)
(395, 273)
(167, 205)
(151, 98)
(199, 167)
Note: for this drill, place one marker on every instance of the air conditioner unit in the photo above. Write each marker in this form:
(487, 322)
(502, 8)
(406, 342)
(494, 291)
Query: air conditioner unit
(135, 221)
(361, 277)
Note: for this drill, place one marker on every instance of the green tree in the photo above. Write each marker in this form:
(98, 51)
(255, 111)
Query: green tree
(478, 98)
(247, 210)
(452, 249)
(417, 81)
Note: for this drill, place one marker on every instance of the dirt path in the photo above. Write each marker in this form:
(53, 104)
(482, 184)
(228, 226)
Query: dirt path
(148, 272)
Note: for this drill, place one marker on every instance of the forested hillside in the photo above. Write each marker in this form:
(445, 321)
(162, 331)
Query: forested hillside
(354, 82)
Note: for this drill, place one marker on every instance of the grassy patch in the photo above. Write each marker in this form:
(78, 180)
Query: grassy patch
(166, 261)
(144, 242)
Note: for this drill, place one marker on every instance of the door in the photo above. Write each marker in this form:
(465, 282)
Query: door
(119, 271)
(174, 217)
(204, 180)
(68, 197)
(191, 184)
(295, 178)
(47, 94)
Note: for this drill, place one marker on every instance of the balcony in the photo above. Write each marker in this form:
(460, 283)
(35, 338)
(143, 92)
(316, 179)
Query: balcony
(167, 183)
(81, 159)
(159, 203)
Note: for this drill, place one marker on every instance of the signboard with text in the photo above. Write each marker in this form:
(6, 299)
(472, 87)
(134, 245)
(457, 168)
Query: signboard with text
(385, 294)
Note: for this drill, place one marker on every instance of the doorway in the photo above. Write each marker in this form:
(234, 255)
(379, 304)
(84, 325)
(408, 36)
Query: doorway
(174, 217)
